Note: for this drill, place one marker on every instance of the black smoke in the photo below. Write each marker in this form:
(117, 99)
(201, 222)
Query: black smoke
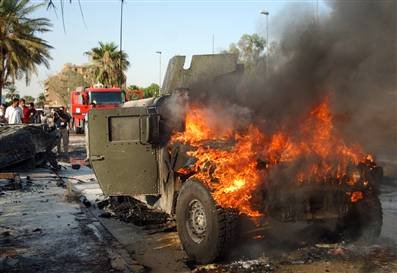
(348, 54)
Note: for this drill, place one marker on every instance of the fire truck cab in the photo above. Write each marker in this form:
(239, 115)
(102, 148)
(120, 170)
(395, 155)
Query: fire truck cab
(83, 99)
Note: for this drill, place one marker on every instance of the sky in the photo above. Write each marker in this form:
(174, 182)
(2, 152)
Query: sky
(173, 27)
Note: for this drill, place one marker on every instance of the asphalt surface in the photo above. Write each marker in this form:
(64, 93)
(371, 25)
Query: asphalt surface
(46, 228)
(161, 252)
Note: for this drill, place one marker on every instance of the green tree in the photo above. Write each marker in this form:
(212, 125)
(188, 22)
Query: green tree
(20, 49)
(134, 92)
(28, 99)
(151, 91)
(40, 100)
(249, 48)
(105, 67)
(134, 87)
(11, 92)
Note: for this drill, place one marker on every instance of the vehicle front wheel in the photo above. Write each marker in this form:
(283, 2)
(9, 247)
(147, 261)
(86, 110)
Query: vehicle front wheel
(205, 229)
(364, 222)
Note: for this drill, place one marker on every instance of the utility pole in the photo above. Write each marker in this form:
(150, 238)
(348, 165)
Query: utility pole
(159, 52)
(121, 44)
(266, 13)
(213, 44)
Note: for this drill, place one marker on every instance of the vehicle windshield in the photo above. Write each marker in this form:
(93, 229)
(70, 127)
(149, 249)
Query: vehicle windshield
(106, 97)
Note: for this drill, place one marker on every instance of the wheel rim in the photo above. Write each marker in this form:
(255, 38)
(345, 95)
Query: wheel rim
(196, 222)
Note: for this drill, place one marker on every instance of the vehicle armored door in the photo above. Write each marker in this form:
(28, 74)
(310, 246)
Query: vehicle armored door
(123, 161)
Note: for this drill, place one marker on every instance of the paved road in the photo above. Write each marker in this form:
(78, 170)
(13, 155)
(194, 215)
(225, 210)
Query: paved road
(42, 231)
(162, 252)
(44, 228)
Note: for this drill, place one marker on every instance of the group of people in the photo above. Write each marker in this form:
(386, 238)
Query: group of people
(18, 112)
(59, 119)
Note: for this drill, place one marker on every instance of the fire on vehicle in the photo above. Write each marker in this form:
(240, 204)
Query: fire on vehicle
(179, 155)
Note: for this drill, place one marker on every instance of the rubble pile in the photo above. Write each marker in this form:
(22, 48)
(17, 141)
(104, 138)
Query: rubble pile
(131, 210)
(381, 257)
(10, 182)
(258, 266)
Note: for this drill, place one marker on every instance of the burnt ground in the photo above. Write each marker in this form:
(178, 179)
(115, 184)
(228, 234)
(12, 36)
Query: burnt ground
(41, 231)
(43, 228)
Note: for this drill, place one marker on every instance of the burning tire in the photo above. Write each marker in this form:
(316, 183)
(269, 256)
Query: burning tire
(205, 229)
(364, 222)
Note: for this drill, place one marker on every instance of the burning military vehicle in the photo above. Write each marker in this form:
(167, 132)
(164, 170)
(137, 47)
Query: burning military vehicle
(194, 161)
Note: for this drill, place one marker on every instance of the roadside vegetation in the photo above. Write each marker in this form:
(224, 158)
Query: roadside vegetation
(134, 92)
(21, 48)
(108, 64)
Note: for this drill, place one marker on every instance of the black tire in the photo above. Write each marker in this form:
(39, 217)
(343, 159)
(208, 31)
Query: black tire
(78, 130)
(364, 222)
(203, 242)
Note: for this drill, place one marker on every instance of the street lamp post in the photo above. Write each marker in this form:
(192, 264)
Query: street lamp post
(159, 52)
(121, 44)
(266, 13)
(213, 43)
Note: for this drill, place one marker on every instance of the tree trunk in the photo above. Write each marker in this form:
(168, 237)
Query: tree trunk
(2, 81)
(1, 90)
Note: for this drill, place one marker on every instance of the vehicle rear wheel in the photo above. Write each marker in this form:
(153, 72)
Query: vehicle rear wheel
(205, 229)
(78, 130)
(364, 222)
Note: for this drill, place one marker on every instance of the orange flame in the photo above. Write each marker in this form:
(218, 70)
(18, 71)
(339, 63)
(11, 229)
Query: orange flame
(356, 196)
(232, 173)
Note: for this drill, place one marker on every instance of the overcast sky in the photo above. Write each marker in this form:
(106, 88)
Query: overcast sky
(173, 27)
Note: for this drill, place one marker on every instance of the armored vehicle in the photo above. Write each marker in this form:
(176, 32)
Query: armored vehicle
(131, 152)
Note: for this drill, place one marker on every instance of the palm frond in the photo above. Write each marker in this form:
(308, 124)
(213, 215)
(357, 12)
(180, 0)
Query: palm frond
(21, 51)
(106, 62)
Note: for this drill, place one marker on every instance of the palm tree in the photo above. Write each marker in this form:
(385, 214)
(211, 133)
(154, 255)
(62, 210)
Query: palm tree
(106, 62)
(20, 49)
(11, 92)
(40, 100)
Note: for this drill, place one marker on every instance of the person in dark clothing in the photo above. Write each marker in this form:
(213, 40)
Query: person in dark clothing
(25, 111)
(32, 114)
(62, 119)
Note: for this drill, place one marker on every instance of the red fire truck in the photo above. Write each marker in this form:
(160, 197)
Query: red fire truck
(84, 99)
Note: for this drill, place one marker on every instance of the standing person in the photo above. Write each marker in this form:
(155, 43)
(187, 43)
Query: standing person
(14, 112)
(2, 112)
(32, 114)
(62, 120)
(25, 111)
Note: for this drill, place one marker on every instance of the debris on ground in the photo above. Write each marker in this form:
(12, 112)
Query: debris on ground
(55, 236)
(15, 182)
(10, 181)
(131, 210)
(262, 265)
(313, 259)
(85, 201)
